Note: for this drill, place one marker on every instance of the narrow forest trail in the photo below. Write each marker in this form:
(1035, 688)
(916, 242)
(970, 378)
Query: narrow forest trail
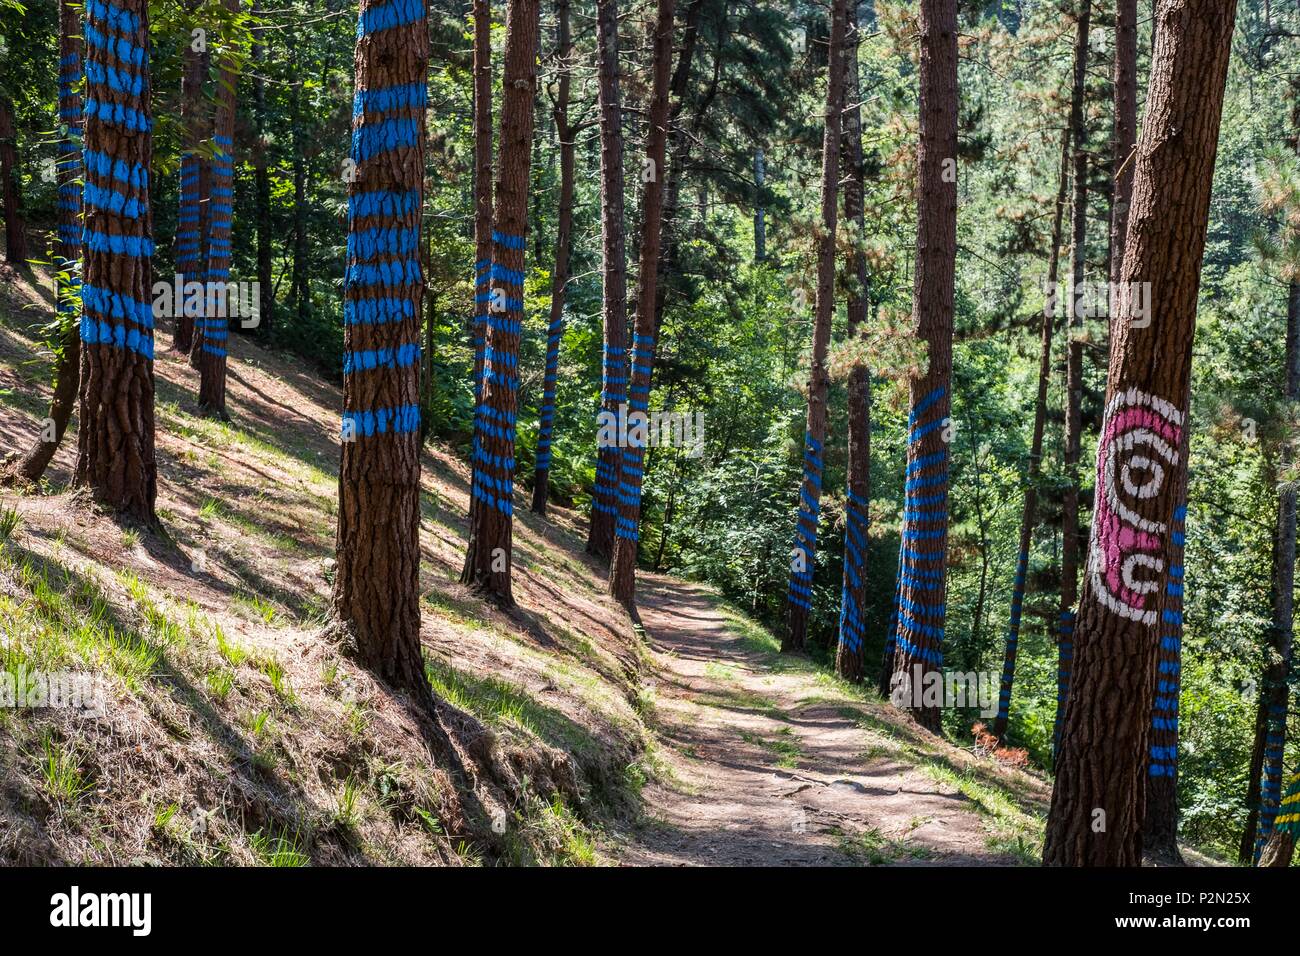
(772, 762)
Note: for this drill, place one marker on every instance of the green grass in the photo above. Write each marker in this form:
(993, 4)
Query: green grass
(61, 772)
(784, 746)
(10, 522)
(278, 849)
(875, 849)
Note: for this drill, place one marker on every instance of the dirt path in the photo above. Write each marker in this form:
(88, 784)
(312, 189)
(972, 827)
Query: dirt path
(772, 763)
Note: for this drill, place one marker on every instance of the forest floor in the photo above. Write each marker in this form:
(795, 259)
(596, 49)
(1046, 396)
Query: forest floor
(235, 734)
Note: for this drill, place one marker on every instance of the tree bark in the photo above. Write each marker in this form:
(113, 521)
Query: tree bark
(262, 177)
(300, 287)
(67, 258)
(919, 650)
(190, 242)
(488, 559)
(622, 572)
(215, 319)
(1099, 801)
(613, 390)
(1265, 782)
(803, 556)
(1280, 846)
(563, 239)
(1070, 543)
(15, 225)
(1029, 515)
(377, 583)
(115, 457)
(853, 592)
(205, 125)
(1124, 134)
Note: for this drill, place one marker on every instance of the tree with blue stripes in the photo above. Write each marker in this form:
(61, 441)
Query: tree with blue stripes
(376, 600)
(66, 339)
(857, 500)
(622, 572)
(614, 363)
(923, 555)
(1099, 801)
(213, 327)
(488, 559)
(115, 452)
(190, 242)
(803, 556)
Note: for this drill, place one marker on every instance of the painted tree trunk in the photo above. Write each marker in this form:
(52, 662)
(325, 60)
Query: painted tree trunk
(376, 598)
(560, 274)
(205, 126)
(1124, 133)
(1070, 542)
(614, 365)
(67, 257)
(482, 249)
(190, 242)
(262, 188)
(1265, 787)
(853, 593)
(1029, 514)
(1280, 847)
(115, 453)
(918, 655)
(15, 225)
(1099, 801)
(488, 560)
(215, 318)
(1160, 831)
(803, 556)
(622, 571)
(886, 682)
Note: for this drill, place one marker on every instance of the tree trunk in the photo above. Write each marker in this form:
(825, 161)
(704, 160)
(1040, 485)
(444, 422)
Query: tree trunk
(15, 227)
(560, 274)
(204, 121)
(1265, 788)
(67, 255)
(377, 582)
(613, 390)
(1124, 134)
(853, 593)
(919, 652)
(1099, 801)
(482, 253)
(299, 282)
(215, 321)
(622, 572)
(1070, 543)
(190, 242)
(803, 556)
(1280, 846)
(1029, 515)
(488, 559)
(265, 279)
(1160, 831)
(115, 457)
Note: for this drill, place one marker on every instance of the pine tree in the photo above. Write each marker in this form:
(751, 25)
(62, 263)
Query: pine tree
(376, 600)
(622, 572)
(488, 559)
(566, 133)
(115, 436)
(1029, 513)
(1070, 541)
(482, 15)
(614, 379)
(918, 656)
(1099, 801)
(803, 556)
(15, 224)
(853, 594)
(215, 323)
(67, 256)
(190, 241)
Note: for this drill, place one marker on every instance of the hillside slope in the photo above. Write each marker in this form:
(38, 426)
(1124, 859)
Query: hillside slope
(233, 733)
